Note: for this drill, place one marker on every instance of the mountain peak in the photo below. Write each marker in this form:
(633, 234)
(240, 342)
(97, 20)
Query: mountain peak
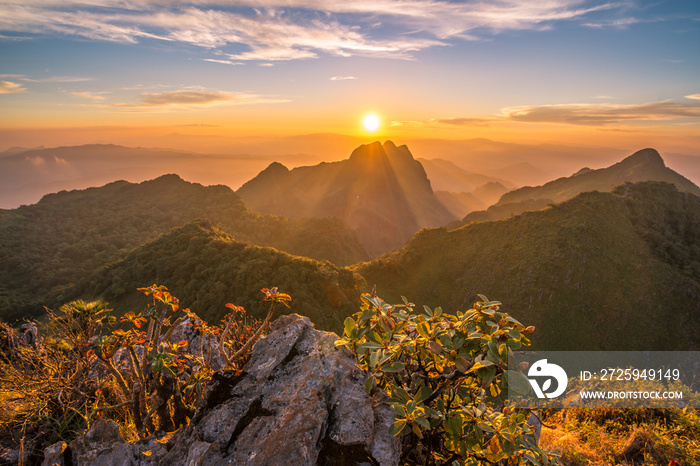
(368, 153)
(645, 157)
(275, 167)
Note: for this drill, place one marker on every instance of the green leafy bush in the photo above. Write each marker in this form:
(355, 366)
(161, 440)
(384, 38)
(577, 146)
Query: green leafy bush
(445, 377)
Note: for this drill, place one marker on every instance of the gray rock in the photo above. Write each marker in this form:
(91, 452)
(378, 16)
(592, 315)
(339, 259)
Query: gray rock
(102, 444)
(298, 401)
(53, 455)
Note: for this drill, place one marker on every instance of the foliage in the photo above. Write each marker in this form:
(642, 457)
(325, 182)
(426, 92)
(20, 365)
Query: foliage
(48, 247)
(624, 266)
(445, 376)
(201, 264)
(87, 367)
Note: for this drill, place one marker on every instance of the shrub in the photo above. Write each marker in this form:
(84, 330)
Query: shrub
(53, 388)
(445, 377)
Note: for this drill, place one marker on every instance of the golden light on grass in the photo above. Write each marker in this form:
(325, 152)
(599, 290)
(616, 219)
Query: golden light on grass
(371, 122)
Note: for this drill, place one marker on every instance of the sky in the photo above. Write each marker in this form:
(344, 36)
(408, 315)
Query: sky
(615, 73)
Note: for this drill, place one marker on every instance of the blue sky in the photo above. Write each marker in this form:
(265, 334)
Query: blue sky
(568, 70)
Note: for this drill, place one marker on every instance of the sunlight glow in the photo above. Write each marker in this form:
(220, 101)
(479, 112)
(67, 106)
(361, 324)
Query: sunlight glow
(371, 122)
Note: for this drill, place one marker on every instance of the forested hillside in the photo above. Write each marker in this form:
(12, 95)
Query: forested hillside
(207, 268)
(47, 247)
(602, 271)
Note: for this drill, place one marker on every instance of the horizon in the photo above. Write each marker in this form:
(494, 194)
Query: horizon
(210, 74)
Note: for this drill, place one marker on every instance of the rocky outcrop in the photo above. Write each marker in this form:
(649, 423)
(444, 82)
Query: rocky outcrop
(298, 401)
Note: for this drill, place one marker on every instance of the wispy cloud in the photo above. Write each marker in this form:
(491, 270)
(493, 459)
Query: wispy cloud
(49, 79)
(8, 87)
(438, 122)
(195, 98)
(602, 114)
(224, 62)
(464, 121)
(342, 78)
(273, 30)
(573, 114)
(94, 96)
(57, 79)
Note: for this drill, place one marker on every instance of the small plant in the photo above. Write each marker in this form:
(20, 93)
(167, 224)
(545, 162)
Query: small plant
(161, 380)
(52, 388)
(445, 377)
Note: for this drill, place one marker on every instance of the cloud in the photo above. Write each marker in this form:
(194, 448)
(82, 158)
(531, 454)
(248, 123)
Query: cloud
(57, 79)
(273, 30)
(8, 87)
(602, 114)
(342, 78)
(693, 96)
(225, 62)
(195, 98)
(50, 79)
(94, 96)
(464, 121)
(437, 122)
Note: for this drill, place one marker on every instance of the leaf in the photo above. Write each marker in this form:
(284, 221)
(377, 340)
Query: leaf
(394, 367)
(369, 384)
(397, 427)
(423, 422)
(480, 365)
(494, 445)
(401, 393)
(348, 324)
(416, 430)
(423, 394)
(462, 364)
(398, 409)
(454, 425)
(423, 330)
(370, 345)
(517, 382)
(435, 347)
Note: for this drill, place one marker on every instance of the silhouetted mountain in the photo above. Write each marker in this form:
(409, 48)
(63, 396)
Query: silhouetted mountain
(601, 271)
(28, 174)
(644, 165)
(380, 191)
(47, 247)
(207, 268)
(446, 176)
(461, 203)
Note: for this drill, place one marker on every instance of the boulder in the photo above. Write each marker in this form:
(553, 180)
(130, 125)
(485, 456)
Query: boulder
(298, 401)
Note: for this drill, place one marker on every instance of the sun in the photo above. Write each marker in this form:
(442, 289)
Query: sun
(371, 122)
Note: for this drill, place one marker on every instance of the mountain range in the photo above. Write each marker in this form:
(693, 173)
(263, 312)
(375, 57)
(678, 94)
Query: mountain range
(28, 174)
(602, 271)
(643, 165)
(47, 247)
(603, 264)
(380, 191)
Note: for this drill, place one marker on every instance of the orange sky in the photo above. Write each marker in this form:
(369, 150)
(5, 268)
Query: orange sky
(586, 72)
